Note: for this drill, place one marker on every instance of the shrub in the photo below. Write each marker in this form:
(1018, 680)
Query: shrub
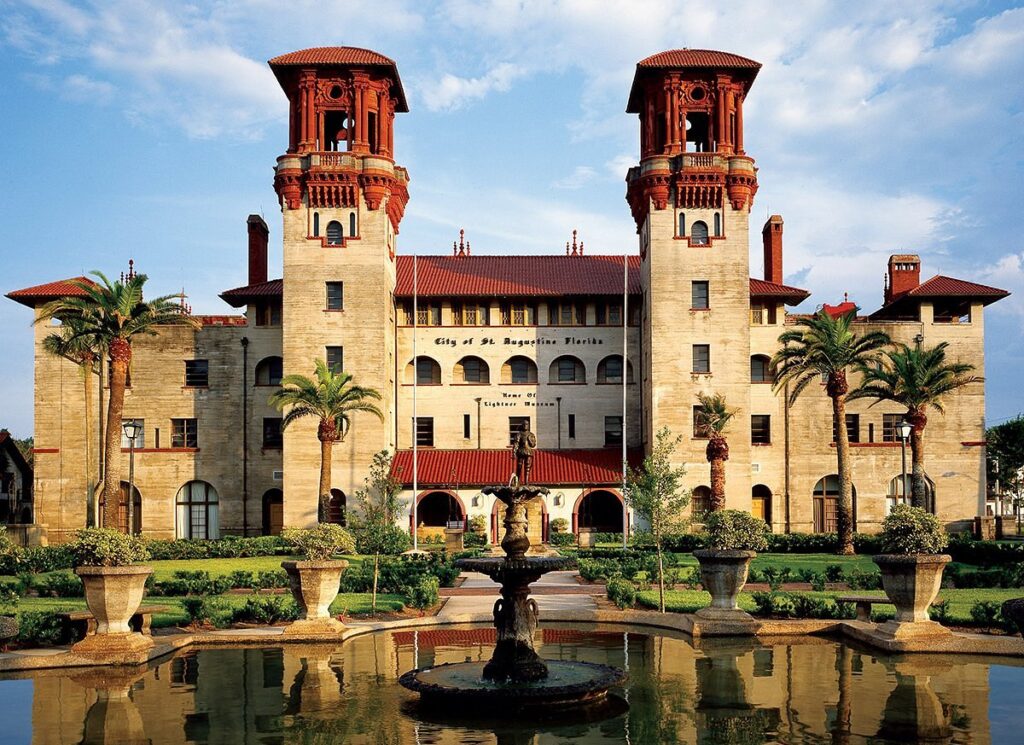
(185, 582)
(834, 573)
(559, 525)
(911, 530)
(270, 579)
(47, 558)
(735, 530)
(818, 582)
(621, 592)
(424, 593)
(240, 578)
(478, 524)
(858, 580)
(391, 540)
(474, 540)
(266, 609)
(764, 602)
(986, 613)
(40, 628)
(773, 577)
(207, 610)
(10, 553)
(322, 542)
(561, 540)
(105, 547)
(63, 584)
(940, 612)
(222, 548)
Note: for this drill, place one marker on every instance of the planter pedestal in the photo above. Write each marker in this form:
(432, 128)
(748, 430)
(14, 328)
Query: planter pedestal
(911, 583)
(723, 574)
(314, 585)
(113, 594)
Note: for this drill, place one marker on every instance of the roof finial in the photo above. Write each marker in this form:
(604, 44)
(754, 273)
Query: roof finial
(846, 297)
(462, 246)
(186, 309)
(567, 248)
(131, 272)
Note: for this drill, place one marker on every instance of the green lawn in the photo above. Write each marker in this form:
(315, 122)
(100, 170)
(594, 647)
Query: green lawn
(960, 601)
(164, 570)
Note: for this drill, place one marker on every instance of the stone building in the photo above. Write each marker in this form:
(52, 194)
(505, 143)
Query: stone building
(596, 352)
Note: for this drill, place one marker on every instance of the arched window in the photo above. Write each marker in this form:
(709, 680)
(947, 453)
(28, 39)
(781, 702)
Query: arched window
(519, 370)
(425, 372)
(760, 369)
(718, 224)
(472, 371)
(901, 494)
(682, 224)
(609, 370)
(826, 504)
(196, 511)
(352, 224)
(269, 371)
(698, 233)
(567, 369)
(273, 512)
(761, 502)
(336, 508)
(334, 233)
(316, 224)
(599, 511)
(700, 502)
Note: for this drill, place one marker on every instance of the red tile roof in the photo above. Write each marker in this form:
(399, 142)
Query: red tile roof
(32, 296)
(940, 286)
(355, 56)
(697, 58)
(222, 320)
(482, 467)
(241, 296)
(837, 311)
(762, 288)
(532, 275)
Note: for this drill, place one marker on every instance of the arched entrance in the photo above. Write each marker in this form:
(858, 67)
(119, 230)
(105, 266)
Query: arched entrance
(273, 512)
(337, 509)
(536, 521)
(597, 511)
(437, 510)
(826, 504)
(122, 509)
(761, 502)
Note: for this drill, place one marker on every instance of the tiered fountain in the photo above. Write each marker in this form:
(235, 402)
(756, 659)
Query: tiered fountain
(515, 677)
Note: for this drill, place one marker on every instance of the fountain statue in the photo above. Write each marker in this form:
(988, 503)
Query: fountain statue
(515, 676)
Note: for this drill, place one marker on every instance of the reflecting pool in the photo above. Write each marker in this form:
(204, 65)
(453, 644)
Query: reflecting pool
(679, 691)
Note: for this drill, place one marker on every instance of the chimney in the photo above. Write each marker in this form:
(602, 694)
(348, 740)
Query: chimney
(904, 275)
(771, 234)
(258, 234)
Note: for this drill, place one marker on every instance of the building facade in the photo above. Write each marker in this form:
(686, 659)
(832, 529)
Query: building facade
(596, 353)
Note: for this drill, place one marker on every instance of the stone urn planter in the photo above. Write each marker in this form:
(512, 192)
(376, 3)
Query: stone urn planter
(911, 583)
(113, 594)
(314, 585)
(723, 573)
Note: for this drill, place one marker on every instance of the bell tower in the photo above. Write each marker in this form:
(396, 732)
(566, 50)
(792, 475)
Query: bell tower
(342, 198)
(691, 196)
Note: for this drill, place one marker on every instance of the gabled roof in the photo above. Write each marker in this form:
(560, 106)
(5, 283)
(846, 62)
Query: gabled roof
(949, 296)
(516, 276)
(33, 296)
(762, 288)
(706, 59)
(241, 296)
(354, 56)
(450, 468)
(941, 286)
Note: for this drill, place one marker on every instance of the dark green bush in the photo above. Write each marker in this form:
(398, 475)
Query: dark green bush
(266, 609)
(242, 579)
(986, 613)
(474, 540)
(207, 610)
(229, 547)
(834, 573)
(424, 593)
(560, 540)
(608, 538)
(191, 583)
(858, 580)
(397, 575)
(940, 612)
(818, 582)
(41, 628)
(45, 559)
(621, 592)
(270, 579)
(63, 584)
(964, 549)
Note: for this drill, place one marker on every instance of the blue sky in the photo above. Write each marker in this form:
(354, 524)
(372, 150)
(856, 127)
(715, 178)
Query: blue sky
(148, 130)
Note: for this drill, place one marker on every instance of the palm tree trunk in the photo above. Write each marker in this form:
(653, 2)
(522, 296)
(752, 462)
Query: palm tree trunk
(845, 517)
(717, 484)
(120, 358)
(324, 504)
(918, 485)
(90, 484)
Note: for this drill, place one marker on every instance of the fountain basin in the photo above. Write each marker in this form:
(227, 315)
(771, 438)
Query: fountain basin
(463, 685)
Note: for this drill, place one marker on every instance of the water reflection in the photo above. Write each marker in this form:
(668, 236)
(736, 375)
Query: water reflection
(680, 691)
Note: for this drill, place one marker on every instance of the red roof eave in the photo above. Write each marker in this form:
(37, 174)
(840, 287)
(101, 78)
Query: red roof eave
(241, 296)
(763, 289)
(32, 296)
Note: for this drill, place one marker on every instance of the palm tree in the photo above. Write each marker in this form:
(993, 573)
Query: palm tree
(824, 348)
(331, 398)
(916, 377)
(712, 419)
(111, 315)
(74, 343)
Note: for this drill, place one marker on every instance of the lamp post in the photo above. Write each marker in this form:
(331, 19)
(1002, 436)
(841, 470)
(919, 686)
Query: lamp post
(131, 431)
(905, 429)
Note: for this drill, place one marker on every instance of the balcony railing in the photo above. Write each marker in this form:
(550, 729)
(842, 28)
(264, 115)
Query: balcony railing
(702, 160)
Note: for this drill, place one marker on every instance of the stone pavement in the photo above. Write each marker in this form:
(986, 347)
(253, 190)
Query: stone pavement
(555, 591)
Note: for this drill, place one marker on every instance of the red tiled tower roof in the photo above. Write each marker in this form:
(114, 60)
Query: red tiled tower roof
(697, 58)
(482, 467)
(347, 56)
(762, 288)
(32, 296)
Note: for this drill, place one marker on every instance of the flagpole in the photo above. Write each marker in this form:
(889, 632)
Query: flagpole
(625, 378)
(415, 379)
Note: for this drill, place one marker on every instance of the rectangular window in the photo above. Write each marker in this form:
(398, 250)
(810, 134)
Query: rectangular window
(871, 431)
(760, 429)
(183, 433)
(518, 314)
(572, 426)
(699, 432)
(466, 426)
(609, 314)
(427, 314)
(335, 358)
(472, 370)
(268, 314)
(891, 427)
(335, 296)
(699, 295)
(197, 373)
(140, 433)
(702, 358)
(566, 371)
(515, 424)
(613, 430)
(521, 370)
(852, 428)
(273, 439)
(425, 431)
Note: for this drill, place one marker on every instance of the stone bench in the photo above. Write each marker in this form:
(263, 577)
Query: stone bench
(82, 623)
(863, 603)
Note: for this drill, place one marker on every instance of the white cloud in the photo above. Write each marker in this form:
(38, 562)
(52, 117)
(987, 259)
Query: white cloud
(580, 177)
(1007, 273)
(452, 92)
